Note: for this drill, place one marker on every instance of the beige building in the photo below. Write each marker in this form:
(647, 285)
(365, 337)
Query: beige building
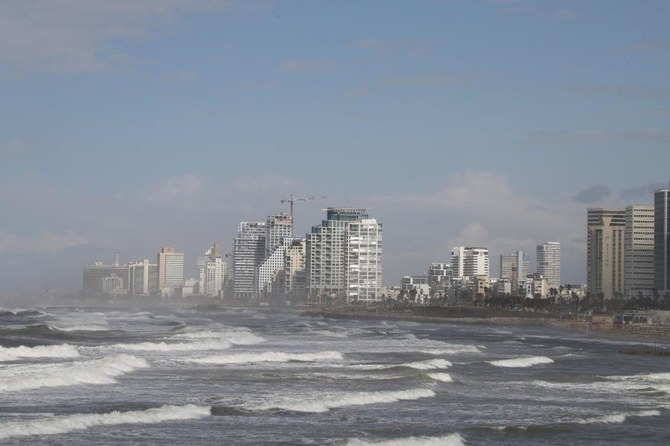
(639, 250)
(515, 268)
(170, 270)
(605, 251)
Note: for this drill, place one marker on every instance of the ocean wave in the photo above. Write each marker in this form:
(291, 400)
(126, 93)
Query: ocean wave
(234, 337)
(91, 327)
(212, 344)
(522, 362)
(644, 377)
(444, 377)
(447, 440)
(618, 417)
(76, 422)
(40, 351)
(96, 371)
(248, 358)
(323, 403)
(428, 364)
(619, 387)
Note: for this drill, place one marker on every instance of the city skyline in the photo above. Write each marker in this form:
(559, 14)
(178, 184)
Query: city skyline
(135, 125)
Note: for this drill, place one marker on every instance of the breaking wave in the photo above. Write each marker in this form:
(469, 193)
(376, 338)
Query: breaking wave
(247, 358)
(428, 364)
(40, 351)
(618, 417)
(234, 337)
(211, 344)
(522, 362)
(69, 423)
(447, 440)
(323, 403)
(444, 377)
(97, 371)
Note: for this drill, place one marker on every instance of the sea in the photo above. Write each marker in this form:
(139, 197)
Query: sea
(125, 374)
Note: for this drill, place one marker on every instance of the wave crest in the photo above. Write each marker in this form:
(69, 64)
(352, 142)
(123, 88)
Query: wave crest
(447, 440)
(247, 358)
(522, 362)
(69, 423)
(39, 351)
(324, 403)
(97, 371)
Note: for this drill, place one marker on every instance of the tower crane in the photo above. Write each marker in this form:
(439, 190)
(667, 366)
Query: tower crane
(291, 200)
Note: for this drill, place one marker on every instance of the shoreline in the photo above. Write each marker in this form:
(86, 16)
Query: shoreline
(643, 333)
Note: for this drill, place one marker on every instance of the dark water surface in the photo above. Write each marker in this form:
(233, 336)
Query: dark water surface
(197, 376)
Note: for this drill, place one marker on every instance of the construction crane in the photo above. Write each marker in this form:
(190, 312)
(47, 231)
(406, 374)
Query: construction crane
(291, 200)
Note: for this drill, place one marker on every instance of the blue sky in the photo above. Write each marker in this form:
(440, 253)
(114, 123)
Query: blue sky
(133, 124)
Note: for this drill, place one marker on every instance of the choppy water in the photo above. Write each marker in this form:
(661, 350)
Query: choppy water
(210, 376)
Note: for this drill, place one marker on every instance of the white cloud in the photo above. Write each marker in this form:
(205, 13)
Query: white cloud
(47, 241)
(480, 208)
(75, 35)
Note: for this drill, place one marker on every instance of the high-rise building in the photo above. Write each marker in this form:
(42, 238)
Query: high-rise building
(294, 268)
(604, 251)
(549, 263)
(278, 227)
(662, 240)
(142, 278)
(106, 279)
(638, 261)
(271, 266)
(515, 268)
(469, 261)
(248, 255)
(344, 256)
(364, 261)
(211, 272)
(170, 270)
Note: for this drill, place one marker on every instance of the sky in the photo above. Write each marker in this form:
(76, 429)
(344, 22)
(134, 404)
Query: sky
(130, 125)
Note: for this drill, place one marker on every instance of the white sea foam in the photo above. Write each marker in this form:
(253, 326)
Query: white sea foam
(248, 358)
(234, 337)
(618, 417)
(96, 371)
(447, 440)
(211, 344)
(522, 362)
(39, 351)
(444, 377)
(323, 403)
(429, 364)
(76, 422)
(652, 377)
(453, 350)
(87, 327)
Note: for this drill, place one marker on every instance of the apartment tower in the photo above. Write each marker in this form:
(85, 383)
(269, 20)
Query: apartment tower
(662, 240)
(605, 251)
(344, 256)
(638, 261)
(549, 263)
(170, 270)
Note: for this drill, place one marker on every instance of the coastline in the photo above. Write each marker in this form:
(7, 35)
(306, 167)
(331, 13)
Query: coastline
(643, 333)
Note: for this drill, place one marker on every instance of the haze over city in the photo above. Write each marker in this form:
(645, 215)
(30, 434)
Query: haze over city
(131, 125)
